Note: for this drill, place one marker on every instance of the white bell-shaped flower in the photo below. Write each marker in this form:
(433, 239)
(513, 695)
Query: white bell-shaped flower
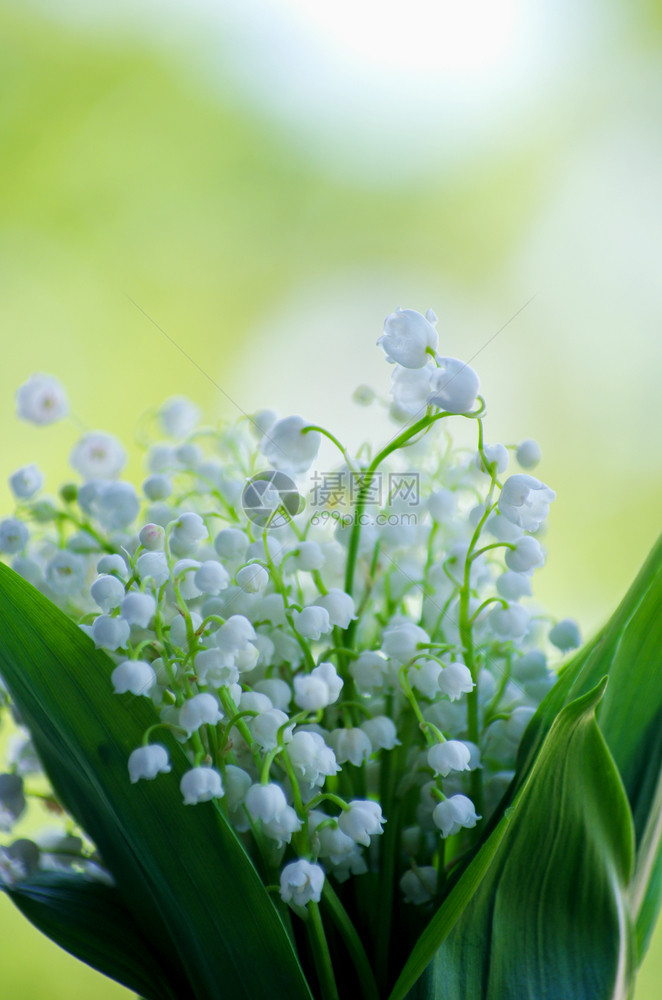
(26, 481)
(179, 629)
(331, 678)
(98, 455)
(329, 841)
(312, 622)
(311, 758)
(41, 400)
(265, 802)
(147, 762)
(200, 710)
(134, 676)
(117, 505)
(201, 784)
(453, 386)
(254, 701)
(211, 577)
(512, 586)
(519, 719)
(442, 505)
(231, 543)
(138, 609)
(234, 634)
(494, 454)
(301, 882)
(525, 501)
(252, 578)
(65, 573)
(264, 728)
(454, 813)
(369, 670)
(112, 564)
(424, 677)
(157, 487)
(215, 668)
(319, 688)
(409, 337)
(237, 783)
(308, 556)
(13, 535)
(283, 826)
(153, 566)
(526, 556)
(410, 388)
(110, 633)
(287, 447)
(381, 732)
(511, 622)
(452, 755)
(419, 886)
(350, 744)
(401, 642)
(455, 680)
(339, 605)
(178, 416)
(188, 530)
(362, 821)
(277, 690)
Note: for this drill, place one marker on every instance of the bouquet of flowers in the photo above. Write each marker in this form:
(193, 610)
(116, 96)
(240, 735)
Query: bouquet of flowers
(304, 732)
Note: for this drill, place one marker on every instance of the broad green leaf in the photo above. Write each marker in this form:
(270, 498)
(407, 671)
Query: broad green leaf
(89, 920)
(541, 912)
(629, 652)
(180, 870)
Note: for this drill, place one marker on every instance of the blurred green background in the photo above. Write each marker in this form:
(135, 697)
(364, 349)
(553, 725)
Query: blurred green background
(265, 182)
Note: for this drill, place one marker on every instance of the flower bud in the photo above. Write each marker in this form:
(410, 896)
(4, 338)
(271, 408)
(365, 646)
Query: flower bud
(152, 537)
(528, 454)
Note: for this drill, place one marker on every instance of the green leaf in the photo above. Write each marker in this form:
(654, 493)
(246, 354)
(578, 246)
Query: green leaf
(180, 870)
(89, 920)
(541, 911)
(629, 652)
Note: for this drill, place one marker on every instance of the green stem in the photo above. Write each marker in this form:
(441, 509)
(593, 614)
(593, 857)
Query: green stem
(320, 948)
(364, 973)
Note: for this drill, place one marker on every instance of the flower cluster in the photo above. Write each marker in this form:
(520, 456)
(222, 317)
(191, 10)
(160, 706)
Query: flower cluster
(331, 678)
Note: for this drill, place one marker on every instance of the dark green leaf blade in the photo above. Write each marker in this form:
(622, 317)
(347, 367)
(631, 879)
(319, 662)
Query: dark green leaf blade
(629, 652)
(541, 912)
(180, 870)
(89, 920)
